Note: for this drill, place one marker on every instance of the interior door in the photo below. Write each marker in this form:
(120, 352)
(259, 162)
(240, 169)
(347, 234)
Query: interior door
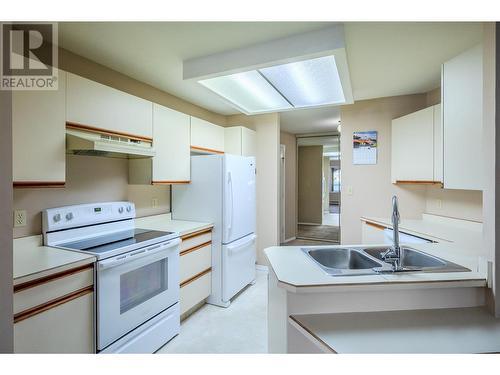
(238, 197)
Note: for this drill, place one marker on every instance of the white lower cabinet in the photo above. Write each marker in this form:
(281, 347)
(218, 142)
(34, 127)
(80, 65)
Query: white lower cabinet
(55, 314)
(39, 136)
(206, 137)
(195, 269)
(171, 142)
(66, 328)
(239, 140)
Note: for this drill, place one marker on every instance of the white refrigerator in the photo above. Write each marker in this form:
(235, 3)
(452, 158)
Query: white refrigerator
(222, 191)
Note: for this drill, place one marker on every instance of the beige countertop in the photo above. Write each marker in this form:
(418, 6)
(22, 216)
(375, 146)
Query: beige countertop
(458, 330)
(297, 272)
(32, 260)
(165, 223)
(436, 228)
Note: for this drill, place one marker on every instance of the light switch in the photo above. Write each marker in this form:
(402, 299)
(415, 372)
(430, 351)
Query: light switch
(349, 190)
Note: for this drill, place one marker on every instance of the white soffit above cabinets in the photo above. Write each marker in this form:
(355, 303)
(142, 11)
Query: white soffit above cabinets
(300, 71)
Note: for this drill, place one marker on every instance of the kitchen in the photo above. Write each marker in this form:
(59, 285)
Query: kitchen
(144, 206)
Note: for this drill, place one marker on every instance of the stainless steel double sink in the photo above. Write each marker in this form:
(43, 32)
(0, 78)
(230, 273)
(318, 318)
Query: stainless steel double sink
(346, 261)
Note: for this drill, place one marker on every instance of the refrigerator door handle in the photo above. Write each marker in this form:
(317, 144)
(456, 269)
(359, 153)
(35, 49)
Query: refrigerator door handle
(234, 248)
(230, 185)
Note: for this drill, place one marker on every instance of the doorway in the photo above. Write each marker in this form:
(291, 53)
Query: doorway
(319, 186)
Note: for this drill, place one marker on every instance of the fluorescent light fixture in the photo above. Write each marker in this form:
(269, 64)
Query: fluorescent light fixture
(307, 83)
(249, 91)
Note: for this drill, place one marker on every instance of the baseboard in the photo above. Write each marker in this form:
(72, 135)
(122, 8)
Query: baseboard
(289, 239)
(261, 267)
(309, 223)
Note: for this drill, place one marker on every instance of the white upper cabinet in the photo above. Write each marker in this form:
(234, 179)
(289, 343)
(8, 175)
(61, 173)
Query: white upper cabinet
(240, 140)
(415, 149)
(171, 142)
(38, 136)
(462, 105)
(206, 137)
(94, 105)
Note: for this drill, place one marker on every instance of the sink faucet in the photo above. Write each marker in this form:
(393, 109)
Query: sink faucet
(394, 253)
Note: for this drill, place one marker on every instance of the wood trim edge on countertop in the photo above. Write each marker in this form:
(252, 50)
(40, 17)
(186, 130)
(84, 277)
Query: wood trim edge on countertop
(49, 278)
(371, 224)
(38, 184)
(195, 277)
(93, 129)
(52, 304)
(191, 249)
(198, 148)
(196, 234)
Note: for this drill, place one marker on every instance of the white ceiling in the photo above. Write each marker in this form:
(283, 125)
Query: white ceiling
(385, 59)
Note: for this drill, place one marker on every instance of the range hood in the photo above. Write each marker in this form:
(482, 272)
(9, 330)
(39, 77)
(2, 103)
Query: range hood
(81, 142)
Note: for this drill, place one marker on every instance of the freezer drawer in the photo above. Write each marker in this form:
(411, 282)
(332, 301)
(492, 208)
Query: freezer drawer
(238, 266)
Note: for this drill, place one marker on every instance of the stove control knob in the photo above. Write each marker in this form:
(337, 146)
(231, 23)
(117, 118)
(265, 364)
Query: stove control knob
(69, 216)
(57, 218)
(129, 208)
(120, 210)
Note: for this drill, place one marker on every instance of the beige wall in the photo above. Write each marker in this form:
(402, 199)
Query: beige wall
(268, 173)
(6, 312)
(433, 97)
(89, 179)
(309, 177)
(371, 184)
(461, 204)
(290, 143)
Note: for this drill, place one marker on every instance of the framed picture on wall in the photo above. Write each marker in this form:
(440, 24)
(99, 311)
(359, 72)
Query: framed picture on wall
(364, 148)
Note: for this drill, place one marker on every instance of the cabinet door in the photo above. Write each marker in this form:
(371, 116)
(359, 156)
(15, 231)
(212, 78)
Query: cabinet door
(206, 136)
(171, 141)
(38, 136)
(462, 105)
(438, 144)
(248, 142)
(65, 328)
(232, 140)
(94, 105)
(413, 146)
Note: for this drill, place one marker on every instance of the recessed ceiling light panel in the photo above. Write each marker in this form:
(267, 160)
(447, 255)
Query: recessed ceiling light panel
(307, 83)
(249, 91)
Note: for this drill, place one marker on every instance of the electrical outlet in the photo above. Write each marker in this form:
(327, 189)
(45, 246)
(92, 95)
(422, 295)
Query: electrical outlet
(20, 218)
(154, 202)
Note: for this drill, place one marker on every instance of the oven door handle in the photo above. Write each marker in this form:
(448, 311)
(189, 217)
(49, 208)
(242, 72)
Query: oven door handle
(138, 254)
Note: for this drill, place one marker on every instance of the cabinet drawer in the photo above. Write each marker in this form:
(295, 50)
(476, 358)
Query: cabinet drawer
(38, 292)
(195, 291)
(64, 328)
(192, 240)
(194, 262)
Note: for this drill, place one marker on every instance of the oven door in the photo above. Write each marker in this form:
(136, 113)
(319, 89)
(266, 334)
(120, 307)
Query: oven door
(134, 287)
